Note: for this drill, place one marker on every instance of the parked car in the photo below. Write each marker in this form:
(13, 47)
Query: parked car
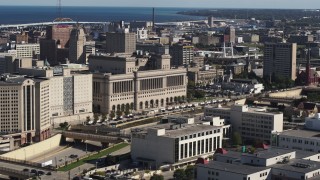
(40, 173)
(73, 156)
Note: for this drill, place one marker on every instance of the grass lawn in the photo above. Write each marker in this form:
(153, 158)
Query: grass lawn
(95, 156)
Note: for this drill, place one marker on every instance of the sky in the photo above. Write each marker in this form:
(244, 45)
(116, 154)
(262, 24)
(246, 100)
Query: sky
(278, 4)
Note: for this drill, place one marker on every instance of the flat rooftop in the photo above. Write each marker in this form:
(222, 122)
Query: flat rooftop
(303, 133)
(181, 131)
(235, 168)
(298, 165)
(230, 154)
(250, 110)
(269, 153)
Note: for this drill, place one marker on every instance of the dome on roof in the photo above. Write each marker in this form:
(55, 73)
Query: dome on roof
(63, 20)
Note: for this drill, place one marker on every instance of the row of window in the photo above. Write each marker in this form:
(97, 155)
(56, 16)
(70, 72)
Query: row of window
(199, 134)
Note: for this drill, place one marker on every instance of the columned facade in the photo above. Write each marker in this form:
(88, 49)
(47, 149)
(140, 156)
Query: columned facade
(139, 90)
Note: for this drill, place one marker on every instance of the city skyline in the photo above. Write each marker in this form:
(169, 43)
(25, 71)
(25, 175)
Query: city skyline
(285, 4)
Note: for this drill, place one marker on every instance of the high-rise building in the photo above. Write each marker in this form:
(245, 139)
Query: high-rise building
(58, 37)
(77, 45)
(48, 51)
(42, 109)
(230, 34)
(60, 33)
(210, 21)
(27, 50)
(17, 107)
(182, 55)
(280, 60)
(70, 94)
(120, 42)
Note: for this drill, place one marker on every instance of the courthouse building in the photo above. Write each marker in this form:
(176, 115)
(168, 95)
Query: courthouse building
(123, 82)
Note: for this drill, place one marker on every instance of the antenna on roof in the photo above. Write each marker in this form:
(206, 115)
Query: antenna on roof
(59, 8)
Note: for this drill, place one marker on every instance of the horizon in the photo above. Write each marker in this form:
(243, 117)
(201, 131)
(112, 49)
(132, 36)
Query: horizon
(173, 7)
(233, 4)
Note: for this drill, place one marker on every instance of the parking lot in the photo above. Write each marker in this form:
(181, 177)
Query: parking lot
(69, 153)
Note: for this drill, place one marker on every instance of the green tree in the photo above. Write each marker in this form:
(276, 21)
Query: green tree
(112, 114)
(189, 171)
(63, 125)
(103, 117)
(95, 117)
(119, 113)
(110, 160)
(157, 177)
(236, 138)
(199, 94)
(88, 119)
(127, 112)
(179, 174)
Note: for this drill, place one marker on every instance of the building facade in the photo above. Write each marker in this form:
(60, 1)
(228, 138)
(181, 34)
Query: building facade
(18, 115)
(175, 143)
(27, 50)
(120, 42)
(252, 124)
(60, 33)
(138, 90)
(182, 55)
(280, 60)
(265, 164)
(70, 94)
(77, 46)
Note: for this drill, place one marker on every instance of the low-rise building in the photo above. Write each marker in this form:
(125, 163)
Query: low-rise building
(272, 163)
(204, 76)
(178, 142)
(302, 139)
(252, 123)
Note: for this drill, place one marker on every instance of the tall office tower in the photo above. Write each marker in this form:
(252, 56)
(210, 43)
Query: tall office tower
(280, 60)
(42, 109)
(77, 45)
(58, 37)
(60, 33)
(70, 95)
(17, 107)
(182, 55)
(27, 50)
(230, 34)
(210, 21)
(122, 42)
(48, 51)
